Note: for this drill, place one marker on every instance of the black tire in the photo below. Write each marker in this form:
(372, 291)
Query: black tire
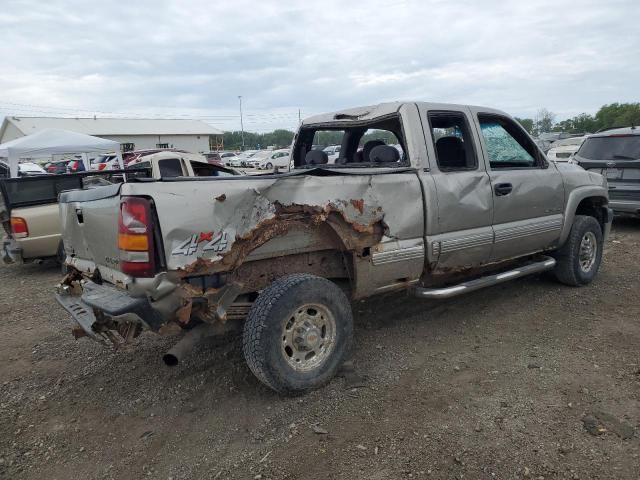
(269, 166)
(270, 320)
(568, 269)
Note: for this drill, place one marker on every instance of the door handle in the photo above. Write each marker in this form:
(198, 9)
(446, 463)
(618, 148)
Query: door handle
(503, 189)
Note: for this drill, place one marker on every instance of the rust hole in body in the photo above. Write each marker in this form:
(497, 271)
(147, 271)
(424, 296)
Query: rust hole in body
(289, 217)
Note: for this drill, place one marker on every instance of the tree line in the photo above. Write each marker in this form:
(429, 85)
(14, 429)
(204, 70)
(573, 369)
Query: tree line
(611, 115)
(608, 116)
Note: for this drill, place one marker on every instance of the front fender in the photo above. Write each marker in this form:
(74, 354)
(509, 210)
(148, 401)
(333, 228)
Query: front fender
(573, 200)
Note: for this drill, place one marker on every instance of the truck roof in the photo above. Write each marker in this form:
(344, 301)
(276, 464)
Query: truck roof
(371, 112)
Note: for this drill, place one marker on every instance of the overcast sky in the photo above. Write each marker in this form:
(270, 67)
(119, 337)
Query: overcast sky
(193, 58)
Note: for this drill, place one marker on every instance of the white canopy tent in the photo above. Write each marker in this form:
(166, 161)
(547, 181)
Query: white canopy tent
(53, 141)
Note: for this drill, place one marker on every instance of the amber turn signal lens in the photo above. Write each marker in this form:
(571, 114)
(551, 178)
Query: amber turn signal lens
(133, 242)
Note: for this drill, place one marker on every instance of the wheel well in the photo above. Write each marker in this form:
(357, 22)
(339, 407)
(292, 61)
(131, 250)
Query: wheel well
(331, 264)
(594, 207)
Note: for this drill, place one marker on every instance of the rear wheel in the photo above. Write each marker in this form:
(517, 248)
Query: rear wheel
(297, 333)
(578, 260)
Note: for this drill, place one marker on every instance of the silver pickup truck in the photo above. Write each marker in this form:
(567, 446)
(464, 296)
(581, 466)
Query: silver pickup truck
(436, 199)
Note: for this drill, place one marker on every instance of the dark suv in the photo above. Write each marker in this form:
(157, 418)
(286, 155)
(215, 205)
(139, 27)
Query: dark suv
(616, 154)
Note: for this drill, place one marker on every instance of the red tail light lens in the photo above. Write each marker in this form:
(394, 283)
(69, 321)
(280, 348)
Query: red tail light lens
(102, 166)
(19, 227)
(135, 237)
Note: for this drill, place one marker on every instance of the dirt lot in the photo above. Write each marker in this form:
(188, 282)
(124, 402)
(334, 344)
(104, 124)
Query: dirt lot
(531, 379)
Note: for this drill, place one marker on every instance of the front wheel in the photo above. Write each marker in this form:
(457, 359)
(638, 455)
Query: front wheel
(297, 333)
(578, 260)
(269, 166)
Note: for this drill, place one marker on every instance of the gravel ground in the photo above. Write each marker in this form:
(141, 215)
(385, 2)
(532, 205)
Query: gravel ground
(527, 380)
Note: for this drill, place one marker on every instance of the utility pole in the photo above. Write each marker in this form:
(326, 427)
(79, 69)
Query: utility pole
(241, 122)
(299, 118)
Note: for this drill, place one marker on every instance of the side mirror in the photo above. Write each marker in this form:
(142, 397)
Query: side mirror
(544, 161)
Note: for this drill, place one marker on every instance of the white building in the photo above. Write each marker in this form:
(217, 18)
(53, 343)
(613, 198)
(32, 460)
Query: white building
(132, 134)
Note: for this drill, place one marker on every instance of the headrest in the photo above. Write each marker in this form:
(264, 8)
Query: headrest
(384, 154)
(366, 149)
(316, 157)
(450, 144)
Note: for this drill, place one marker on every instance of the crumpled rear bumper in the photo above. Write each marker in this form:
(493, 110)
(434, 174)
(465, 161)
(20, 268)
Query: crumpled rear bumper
(100, 309)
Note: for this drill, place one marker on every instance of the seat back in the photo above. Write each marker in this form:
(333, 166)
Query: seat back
(366, 149)
(450, 152)
(384, 154)
(316, 157)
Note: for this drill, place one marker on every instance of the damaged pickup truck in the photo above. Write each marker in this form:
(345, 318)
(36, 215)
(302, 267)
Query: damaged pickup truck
(464, 199)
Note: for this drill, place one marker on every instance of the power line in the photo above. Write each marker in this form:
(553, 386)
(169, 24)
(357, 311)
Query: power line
(51, 110)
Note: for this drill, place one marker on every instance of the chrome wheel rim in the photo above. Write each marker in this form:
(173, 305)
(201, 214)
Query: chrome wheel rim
(588, 252)
(308, 337)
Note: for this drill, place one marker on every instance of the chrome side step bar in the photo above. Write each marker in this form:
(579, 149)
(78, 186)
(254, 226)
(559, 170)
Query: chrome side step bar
(465, 287)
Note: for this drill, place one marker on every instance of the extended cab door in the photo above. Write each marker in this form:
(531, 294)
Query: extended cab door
(528, 191)
(462, 236)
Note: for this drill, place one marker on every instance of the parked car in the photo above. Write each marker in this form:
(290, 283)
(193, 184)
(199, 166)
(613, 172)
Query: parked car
(106, 162)
(256, 158)
(29, 207)
(172, 164)
(25, 169)
(615, 154)
(128, 157)
(546, 140)
(473, 203)
(58, 167)
(563, 150)
(30, 217)
(76, 166)
(277, 158)
(228, 158)
(332, 151)
(242, 158)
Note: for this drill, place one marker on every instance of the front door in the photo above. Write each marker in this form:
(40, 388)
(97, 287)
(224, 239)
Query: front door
(528, 191)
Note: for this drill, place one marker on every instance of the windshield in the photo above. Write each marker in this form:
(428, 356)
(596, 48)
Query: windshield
(622, 147)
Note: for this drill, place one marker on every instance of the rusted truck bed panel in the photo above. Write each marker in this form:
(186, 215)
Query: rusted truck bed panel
(205, 230)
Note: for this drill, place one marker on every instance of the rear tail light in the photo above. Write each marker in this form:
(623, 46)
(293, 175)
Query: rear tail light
(102, 166)
(19, 227)
(135, 237)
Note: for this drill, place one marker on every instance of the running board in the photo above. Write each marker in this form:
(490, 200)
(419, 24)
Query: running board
(465, 287)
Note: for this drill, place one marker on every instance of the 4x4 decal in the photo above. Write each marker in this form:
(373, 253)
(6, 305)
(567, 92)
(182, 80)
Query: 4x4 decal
(217, 243)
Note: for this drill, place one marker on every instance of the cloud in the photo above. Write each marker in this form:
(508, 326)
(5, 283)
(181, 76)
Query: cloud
(193, 58)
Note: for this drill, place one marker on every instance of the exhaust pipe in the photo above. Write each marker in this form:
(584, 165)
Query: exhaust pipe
(186, 343)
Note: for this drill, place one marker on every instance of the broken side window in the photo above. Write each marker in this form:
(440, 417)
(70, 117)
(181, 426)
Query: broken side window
(452, 141)
(375, 144)
(508, 146)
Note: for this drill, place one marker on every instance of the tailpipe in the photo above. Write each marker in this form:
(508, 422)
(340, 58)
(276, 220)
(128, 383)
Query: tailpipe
(187, 343)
